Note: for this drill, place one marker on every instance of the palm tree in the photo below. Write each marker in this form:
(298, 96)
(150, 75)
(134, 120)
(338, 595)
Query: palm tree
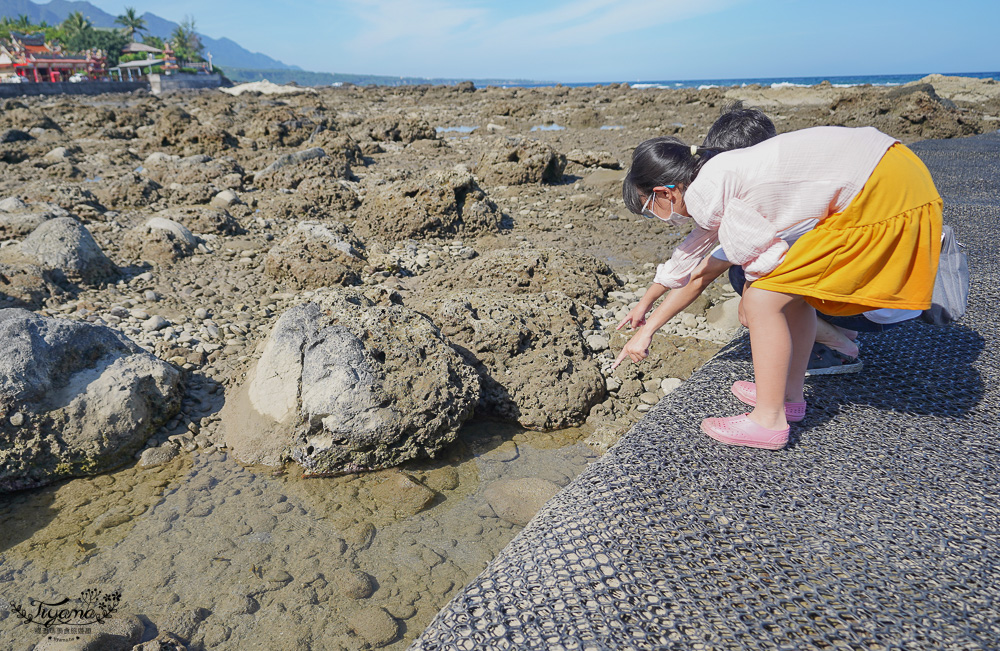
(77, 30)
(187, 45)
(22, 23)
(131, 23)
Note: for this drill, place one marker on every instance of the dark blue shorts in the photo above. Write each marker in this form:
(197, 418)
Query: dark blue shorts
(855, 322)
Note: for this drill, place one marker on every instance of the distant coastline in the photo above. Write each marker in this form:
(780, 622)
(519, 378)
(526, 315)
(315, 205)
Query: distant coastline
(307, 78)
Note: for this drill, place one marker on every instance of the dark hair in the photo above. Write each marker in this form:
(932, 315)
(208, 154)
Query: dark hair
(739, 127)
(661, 161)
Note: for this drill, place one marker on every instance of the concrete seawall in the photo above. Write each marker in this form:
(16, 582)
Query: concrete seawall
(67, 88)
(157, 84)
(164, 84)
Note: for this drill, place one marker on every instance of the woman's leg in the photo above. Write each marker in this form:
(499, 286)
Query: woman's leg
(782, 332)
(835, 338)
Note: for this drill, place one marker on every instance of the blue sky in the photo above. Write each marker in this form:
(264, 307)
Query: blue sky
(603, 40)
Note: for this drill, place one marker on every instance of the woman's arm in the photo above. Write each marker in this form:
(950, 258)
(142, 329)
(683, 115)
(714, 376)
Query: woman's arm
(637, 347)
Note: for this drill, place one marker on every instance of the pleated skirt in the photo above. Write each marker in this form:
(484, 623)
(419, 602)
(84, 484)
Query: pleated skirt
(881, 251)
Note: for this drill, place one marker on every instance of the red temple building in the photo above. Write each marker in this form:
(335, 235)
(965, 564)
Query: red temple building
(28, 56)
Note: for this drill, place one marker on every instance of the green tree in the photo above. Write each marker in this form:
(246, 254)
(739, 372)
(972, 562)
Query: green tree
(22, 24)
(187, 46)
(153, 41)
(77, 31)
(111, 41)
(131, 23)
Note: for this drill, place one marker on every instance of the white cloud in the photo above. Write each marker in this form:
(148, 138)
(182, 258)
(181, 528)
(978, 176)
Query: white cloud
(445, 37)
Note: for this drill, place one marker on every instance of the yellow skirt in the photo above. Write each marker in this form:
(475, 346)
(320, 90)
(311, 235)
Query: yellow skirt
(880, 251)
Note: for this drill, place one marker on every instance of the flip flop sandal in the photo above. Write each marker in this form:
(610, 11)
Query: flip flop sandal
(740, 430)
(747, 393)
(826, 361)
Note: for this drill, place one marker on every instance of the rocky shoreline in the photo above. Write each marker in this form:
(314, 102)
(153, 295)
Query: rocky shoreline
(340, 279)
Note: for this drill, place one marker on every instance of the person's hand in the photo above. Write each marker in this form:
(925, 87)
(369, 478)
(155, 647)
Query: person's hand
(635, 318)
(637, 349)
(741, 313)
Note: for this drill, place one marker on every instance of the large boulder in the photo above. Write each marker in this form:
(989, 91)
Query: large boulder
(315, 198)
(523, 271)
(516, 161)
(389, 128)
(317, 254)
(290, 170)
(159, 240)
(282, 126)
(74, 199)
(76, 398)
(533, 362)
(130, 190)
(65, 246)
(438, 204)
(345, 384)
(166, 169)
(199, 219)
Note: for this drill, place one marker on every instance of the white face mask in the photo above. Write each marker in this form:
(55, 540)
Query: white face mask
(675, 218)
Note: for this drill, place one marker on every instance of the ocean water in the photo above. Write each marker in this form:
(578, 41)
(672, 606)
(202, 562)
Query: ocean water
(777, 82)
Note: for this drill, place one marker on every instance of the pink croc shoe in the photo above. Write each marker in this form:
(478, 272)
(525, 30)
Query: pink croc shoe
(747, 393)
(740, 430)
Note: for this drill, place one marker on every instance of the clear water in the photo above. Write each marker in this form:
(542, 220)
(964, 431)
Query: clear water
(240, 557)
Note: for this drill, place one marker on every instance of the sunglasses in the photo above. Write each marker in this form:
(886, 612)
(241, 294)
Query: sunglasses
(647, 208)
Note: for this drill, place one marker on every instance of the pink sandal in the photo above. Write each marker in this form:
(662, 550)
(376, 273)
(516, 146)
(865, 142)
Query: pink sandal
(740, 430)
(747, 393)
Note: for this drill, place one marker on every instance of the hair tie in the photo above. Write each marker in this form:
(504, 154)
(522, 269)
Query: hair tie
(694, 150)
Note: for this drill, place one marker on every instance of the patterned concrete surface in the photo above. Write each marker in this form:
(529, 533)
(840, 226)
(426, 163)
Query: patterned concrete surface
(877, 528)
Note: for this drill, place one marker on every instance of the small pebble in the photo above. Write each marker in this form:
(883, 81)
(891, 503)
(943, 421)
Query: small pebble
(17, 419)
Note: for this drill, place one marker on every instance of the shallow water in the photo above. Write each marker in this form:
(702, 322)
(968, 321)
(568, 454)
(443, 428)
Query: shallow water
(459, 129)
(548, 127)
(240, 557)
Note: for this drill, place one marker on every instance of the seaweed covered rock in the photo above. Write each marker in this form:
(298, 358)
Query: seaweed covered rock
(344, 383)
(166, 169)
(437, 204)
(77, 399)
(27, 285)
(199, 219)
(317, 254)
(18, 219)
(315, 198)
(290, 170)
(388, 128)
(129, 190)
(516, 161)
(522, 271)
(534, 365)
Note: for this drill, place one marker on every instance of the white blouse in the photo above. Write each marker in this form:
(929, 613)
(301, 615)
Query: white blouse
(745, 197)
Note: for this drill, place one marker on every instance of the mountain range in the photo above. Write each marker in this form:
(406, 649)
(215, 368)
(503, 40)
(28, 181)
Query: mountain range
(225, 52)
